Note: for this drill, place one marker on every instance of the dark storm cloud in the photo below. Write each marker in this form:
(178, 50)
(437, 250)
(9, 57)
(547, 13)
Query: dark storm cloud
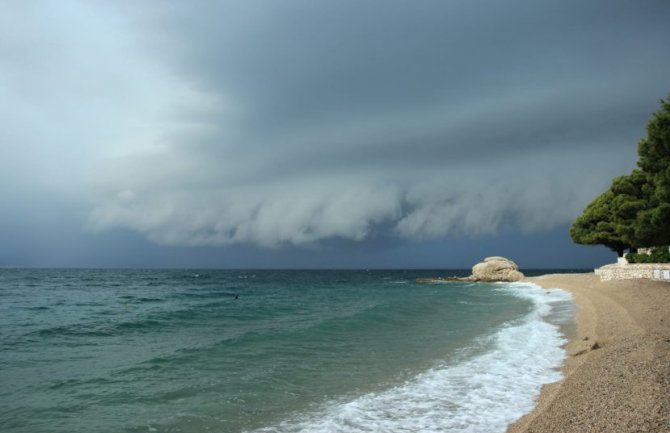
(295, 64)
(317, 120)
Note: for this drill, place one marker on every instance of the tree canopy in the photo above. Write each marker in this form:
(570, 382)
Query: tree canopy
(654, 221)
(595, 225)
(635, 211)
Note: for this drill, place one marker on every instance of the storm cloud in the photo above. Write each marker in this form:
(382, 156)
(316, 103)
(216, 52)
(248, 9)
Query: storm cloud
(294, 122)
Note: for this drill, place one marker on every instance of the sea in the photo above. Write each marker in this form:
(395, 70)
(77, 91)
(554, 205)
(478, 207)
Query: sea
(272, 351)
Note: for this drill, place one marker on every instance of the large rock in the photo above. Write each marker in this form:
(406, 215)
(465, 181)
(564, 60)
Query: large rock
(496, 269)
(491, 269)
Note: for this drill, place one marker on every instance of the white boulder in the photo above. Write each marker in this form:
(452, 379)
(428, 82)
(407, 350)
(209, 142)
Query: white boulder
(496, 269)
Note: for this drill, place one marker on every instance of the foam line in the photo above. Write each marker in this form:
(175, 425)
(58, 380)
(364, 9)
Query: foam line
(482, 394)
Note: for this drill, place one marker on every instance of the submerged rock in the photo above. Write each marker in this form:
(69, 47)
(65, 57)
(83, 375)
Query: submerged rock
(496, 269)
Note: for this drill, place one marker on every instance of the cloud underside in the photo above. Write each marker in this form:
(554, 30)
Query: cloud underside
(527, 194)
(357, 120)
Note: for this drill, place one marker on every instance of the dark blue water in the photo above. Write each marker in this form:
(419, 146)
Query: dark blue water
(233, 351)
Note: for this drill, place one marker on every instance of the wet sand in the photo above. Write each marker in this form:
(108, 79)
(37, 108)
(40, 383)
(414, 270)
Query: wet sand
(617, 375)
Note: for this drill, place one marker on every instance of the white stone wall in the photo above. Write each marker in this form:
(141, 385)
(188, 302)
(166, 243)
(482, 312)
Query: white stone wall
(631, 271)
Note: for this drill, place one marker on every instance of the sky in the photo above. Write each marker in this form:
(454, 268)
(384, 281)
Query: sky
(315, 134)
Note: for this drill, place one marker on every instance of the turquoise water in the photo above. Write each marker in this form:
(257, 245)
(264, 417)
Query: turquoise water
(236, 351)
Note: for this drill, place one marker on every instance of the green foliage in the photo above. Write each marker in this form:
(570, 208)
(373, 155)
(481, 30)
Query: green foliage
(653, 225)
(658, 255)
(595, 226)
(654, 150)
(630, 197)
(635, 211)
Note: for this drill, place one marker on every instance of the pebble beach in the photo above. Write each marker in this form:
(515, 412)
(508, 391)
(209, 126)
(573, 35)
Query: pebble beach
(617, 375)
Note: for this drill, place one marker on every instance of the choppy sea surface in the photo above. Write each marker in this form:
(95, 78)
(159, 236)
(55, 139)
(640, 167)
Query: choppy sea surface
(271, 351)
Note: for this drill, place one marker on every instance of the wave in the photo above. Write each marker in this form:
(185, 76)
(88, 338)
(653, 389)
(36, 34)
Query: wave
(78, 330)
(107, 323)
(482, 394)
(207, 294)
(138, 300)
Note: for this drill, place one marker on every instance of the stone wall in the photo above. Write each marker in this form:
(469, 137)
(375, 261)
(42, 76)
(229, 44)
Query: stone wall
(651, 271)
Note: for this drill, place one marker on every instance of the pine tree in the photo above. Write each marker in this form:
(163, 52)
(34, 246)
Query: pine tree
(653, 224)
(635, 211)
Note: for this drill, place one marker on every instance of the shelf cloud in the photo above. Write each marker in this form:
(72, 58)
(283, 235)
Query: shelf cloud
(343, 120)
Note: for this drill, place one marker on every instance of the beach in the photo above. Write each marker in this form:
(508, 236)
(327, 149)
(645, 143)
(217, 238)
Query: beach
(617, 374)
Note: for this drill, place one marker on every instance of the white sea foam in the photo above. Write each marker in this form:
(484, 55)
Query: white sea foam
(483, 394)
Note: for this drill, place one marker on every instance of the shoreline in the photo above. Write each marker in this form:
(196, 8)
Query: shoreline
(616, 377)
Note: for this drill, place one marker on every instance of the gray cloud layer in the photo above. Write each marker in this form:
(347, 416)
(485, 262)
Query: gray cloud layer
(341, 119)
(297, 121)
